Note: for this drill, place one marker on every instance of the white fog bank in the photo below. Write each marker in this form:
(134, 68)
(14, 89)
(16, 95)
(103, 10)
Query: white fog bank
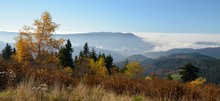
(166, 41)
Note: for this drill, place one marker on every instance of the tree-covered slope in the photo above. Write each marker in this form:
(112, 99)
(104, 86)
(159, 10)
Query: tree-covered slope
(209, 66)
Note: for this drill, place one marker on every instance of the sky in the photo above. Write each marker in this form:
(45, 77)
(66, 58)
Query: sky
(155, 16)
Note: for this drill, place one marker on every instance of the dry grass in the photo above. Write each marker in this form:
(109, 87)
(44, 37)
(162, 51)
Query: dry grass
(151, 91)
(25, 92)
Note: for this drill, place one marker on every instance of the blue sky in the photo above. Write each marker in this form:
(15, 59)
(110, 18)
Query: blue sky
(163, 16)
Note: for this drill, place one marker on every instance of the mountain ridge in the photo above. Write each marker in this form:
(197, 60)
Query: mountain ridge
(209, 51)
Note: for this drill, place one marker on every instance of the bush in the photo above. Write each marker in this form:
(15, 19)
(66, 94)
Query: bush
(157, 88)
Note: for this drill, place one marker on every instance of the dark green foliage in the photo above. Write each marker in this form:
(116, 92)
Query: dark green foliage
(169, 77)
(14, 51)
(208, 66)
(93, 55)
(65, 55)
(81, 54)
(109, 63)
(188, 72)
(76, 58)
(86, 50)
(7, 52)
(101, 55)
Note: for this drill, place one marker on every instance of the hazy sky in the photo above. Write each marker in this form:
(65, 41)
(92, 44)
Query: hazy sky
(164, 16)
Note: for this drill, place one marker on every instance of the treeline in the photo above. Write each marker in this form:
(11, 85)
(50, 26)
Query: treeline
(65, 56)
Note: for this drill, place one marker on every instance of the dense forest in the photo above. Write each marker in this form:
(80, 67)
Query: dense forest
(41, 68)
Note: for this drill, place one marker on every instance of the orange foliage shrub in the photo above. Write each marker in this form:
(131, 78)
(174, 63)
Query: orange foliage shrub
(60, 76)
(22, 72)
(156, 88)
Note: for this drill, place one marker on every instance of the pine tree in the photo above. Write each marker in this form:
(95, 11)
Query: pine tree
(189, 72)
(109, 63)
(86, 50)
(65, 55)
(93, 55)
(75, 60)
(7, 52)
(14, 51)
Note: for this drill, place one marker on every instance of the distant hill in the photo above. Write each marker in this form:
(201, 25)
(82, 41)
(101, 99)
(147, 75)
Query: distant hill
(137, 57)
(123, 43)
(8, 37)
(213, 52)
(165, 65)
(119, 45)
(209, 66)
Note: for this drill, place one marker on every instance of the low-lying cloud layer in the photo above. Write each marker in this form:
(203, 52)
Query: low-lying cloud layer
(166, 41)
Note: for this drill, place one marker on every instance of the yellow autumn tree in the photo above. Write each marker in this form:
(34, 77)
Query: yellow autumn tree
(134, 69)
(37, 41)
(98, 67)
(197, 82)
(22, 45)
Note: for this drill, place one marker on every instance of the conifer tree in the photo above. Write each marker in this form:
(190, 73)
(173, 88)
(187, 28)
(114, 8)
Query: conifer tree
(7, 52)
(189, 72)
(93, 55)
(109, 63)
(65, 55)
(86, 50)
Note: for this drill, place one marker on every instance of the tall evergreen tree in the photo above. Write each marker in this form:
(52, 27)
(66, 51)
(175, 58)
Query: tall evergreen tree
(65, 55)
(81, 54)
(99, 55)
(93, 55)
(86, 50)
(75, 60)
(7, 52)
(109, 63)
(189, 72)
(14, 51)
